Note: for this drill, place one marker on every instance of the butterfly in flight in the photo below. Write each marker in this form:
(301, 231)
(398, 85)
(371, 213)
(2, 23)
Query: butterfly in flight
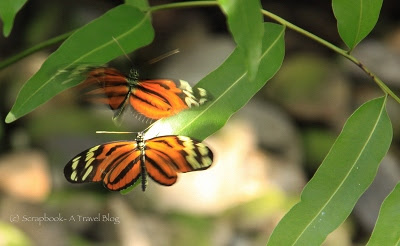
(152, 98)
(120, 164)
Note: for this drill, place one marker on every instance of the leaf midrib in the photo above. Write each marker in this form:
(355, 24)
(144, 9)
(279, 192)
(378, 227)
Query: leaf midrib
(349, 172)
(357, 36)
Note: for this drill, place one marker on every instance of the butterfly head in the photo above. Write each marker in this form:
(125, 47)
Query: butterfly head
(133, 75)
(139, 138)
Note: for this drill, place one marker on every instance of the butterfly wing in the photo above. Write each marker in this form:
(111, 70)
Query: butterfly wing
(107, 86)
(160, 98)
(168, 155)
(116, 164)
(154, 99)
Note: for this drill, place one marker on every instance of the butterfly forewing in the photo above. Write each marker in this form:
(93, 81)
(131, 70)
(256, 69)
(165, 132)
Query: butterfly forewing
(106, 86)
(105, 163)
(157, 99)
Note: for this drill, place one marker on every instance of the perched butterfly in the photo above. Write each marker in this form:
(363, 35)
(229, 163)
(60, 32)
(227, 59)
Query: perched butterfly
(120, 164)
(153, 98)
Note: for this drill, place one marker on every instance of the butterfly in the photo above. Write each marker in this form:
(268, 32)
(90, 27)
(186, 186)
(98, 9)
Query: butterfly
(120, 164)
(152, 98)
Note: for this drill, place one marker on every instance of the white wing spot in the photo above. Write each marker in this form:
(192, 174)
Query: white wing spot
(185, 86)
(202, 92)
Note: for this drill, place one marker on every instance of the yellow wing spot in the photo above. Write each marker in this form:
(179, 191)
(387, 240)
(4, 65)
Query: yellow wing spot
(193, 162)
(75, 162)
(94, 148)
(91, 151)
(184, 139)
(202, 149)
(88, 162)
(88, 171)
(206, 161)
(190, 152)
(188, 146)
(73, 176)
(89, 155)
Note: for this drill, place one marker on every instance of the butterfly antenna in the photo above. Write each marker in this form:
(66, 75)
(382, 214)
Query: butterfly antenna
(122, 49)
(163, 56)
(115, 132)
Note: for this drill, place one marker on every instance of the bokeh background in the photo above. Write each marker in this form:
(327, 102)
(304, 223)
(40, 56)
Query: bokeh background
(263, 157)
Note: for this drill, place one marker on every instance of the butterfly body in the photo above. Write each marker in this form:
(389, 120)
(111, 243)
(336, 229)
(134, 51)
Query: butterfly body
(119, 164)
(152, 98)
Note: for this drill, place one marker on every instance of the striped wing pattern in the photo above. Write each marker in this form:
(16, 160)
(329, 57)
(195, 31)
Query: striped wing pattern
(119, 164)
(154, 99)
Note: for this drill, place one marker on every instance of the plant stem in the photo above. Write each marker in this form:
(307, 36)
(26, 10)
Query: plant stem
(336, 49)
(184, 5)
(34, 49)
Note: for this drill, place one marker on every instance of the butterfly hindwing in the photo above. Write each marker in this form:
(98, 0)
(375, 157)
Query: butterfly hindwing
(168, 155)
(126, 171)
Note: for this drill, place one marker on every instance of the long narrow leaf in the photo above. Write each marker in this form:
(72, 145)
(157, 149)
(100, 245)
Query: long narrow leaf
(387, 228)
(92, 44)
(347, 171)
(230, 87)
(8, 11)
(356, 19)
(245, 20)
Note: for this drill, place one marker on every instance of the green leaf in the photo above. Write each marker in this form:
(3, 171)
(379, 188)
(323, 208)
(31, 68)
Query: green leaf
(93, 44)
(143, 5)
(245, 23)
(8, 11)
(387, 228)
(344, 175)
(356, 19)
(230, 87)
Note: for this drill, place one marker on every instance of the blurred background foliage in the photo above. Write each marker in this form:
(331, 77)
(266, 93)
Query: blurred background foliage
(263, 157)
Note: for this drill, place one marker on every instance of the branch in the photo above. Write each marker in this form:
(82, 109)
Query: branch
(13, 59)
(336, 49)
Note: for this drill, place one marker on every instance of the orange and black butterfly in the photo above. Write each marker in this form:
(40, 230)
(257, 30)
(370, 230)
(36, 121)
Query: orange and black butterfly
(152, 98)
(120, 164)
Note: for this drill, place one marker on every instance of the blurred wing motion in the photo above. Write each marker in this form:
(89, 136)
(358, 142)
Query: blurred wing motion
(120, 164)
(154, 99)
